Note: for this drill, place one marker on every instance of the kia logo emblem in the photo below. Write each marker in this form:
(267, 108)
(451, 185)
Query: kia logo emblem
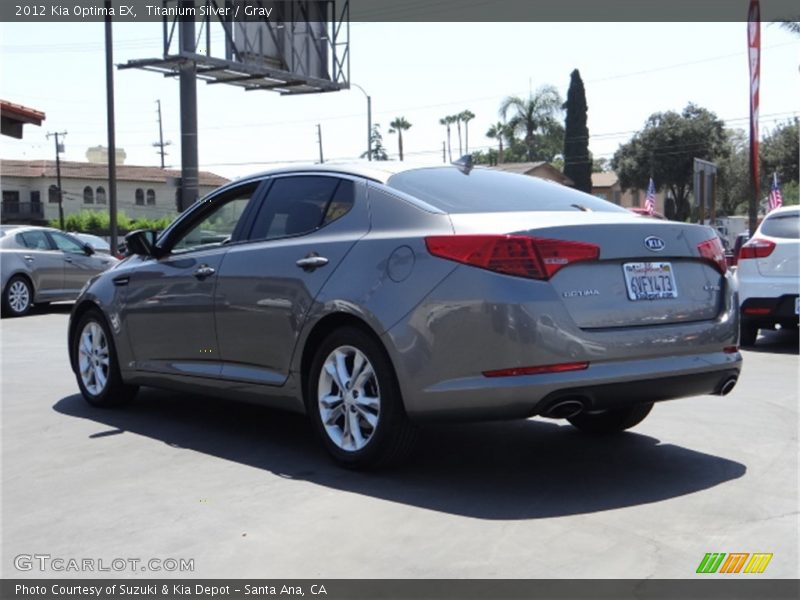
(654, 243)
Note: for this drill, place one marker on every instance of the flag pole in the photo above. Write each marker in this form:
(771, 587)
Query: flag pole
(754, 55)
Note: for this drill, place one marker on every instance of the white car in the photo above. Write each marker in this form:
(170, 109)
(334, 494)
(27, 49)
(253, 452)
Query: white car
(768, 274)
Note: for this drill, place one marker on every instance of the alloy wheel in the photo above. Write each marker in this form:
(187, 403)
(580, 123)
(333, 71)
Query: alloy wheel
(19, 296)
(93, 358)
(349, 398)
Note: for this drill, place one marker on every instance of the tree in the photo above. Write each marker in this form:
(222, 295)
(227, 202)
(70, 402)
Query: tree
(665, 149)
(378, 151)
(577, 160)
(398, 126)
(447, 121)
(534, 118)
(600, 165)
(497, 132)
(457, 120)
(779, 154)
(733, 175)
(466, 117)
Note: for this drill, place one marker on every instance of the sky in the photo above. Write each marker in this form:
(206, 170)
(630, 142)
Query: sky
(421, 71)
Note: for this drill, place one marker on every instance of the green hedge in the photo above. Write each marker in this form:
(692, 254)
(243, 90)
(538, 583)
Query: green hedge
(98, 223)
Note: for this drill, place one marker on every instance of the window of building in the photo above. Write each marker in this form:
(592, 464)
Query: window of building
(100, 195)
(151, 197)
(36, 197)
(10, 202)
(139, 197)
(88, 195)
(52, 194)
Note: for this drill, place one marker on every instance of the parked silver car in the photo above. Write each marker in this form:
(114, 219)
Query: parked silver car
(40, 265)
(372, 298)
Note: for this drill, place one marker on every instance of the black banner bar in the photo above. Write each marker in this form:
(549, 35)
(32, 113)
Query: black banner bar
(403, 10)
(711, 587)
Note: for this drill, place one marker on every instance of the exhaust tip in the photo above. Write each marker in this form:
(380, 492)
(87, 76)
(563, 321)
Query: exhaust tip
(565, 409)
(726, 387)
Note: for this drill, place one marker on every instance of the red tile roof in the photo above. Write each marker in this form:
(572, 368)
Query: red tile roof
(21, 113)
(86, 170)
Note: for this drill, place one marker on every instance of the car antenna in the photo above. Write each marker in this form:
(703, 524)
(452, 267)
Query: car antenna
(464, 164)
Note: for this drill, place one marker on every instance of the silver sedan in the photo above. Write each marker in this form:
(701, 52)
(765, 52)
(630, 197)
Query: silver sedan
(375, 297)
(40, 265)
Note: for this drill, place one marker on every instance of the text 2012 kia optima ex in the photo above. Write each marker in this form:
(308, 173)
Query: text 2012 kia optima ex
(372, 298)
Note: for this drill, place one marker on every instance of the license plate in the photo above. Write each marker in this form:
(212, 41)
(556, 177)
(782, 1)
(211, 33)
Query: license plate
(650, 280)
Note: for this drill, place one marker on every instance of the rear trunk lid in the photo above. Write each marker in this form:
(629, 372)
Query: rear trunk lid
(648, 273)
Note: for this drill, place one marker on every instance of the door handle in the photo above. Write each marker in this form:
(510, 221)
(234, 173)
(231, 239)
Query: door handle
(122, 280)
(204, 271)
(311, 262)
(67, 259)
(28, 257)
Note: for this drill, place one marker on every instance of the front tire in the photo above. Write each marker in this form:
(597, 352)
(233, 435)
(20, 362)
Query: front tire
(96, 365)
(355, 403)
(17, 297)
(612, 420)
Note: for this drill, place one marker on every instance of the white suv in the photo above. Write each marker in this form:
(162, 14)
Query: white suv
(768, 273)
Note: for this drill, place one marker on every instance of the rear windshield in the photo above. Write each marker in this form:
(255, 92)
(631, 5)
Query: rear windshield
(485, 190)
(786, 225)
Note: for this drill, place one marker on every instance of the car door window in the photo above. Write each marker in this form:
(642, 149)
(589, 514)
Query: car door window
(67, 244)
(217, 223)
(299, 205)
(35, 240)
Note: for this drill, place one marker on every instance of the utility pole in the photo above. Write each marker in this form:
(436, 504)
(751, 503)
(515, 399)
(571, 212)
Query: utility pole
(188, 92)
(319, 140)
(112, 142)
(161, 143)
(369, 119)
(59, 149)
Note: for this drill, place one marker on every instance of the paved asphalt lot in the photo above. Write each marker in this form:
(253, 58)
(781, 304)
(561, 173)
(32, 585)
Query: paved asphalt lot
(247, 492)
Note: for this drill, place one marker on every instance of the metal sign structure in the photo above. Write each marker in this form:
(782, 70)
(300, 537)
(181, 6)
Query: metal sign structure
(302, 47)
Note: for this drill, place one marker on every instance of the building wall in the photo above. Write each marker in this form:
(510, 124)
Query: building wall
(627, 198)
(162, 194)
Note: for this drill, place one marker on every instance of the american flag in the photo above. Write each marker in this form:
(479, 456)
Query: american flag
(650, 199)
(775, 198)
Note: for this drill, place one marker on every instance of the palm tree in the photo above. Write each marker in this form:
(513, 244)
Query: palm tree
(447, 121)
(497, 132)
(530, 116)
(466, 117)
(398, 126)
(457, 120)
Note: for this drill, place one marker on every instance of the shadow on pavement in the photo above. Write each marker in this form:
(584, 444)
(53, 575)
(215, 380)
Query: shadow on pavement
(510, 470)
(782, 341)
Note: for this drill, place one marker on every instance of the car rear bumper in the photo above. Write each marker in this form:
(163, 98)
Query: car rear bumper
(769, 311)
(601, 385)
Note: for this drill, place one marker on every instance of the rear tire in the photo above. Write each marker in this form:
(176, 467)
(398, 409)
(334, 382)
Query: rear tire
(612, 420)
(17, 297)
(96, 364)
(355, 404)
(747, 334)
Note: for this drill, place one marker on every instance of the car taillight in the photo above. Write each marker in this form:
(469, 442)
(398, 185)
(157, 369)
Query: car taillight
(756, 248)
(522, 256)
(713, 252)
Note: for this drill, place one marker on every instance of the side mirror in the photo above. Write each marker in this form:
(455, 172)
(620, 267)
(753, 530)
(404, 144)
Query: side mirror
(88, 250)
(141, 242)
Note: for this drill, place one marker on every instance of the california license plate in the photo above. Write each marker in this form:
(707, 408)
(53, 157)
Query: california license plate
(650, 280)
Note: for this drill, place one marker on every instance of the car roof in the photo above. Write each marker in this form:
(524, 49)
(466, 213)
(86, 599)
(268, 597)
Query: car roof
(379, 170)
(782, 211)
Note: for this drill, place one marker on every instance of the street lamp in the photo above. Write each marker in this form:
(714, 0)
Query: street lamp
(369, 120)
